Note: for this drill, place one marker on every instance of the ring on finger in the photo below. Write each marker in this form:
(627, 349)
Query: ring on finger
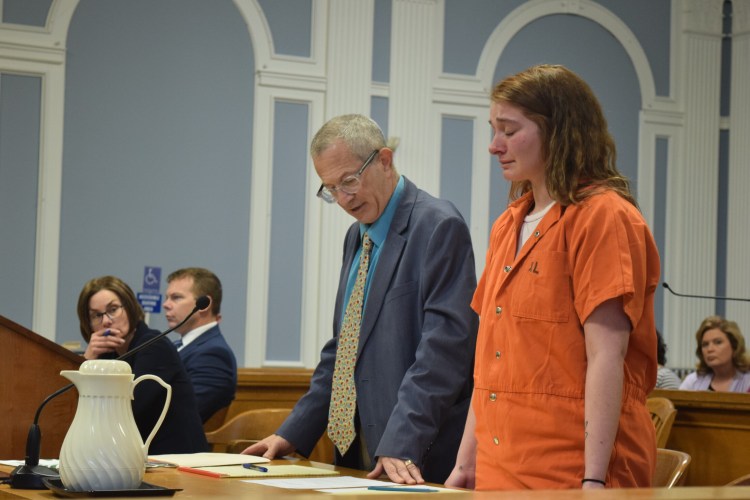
(408, 463)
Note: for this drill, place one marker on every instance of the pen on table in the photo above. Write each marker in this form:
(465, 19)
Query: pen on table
(401, 489)
(255, 467)
(202, 472)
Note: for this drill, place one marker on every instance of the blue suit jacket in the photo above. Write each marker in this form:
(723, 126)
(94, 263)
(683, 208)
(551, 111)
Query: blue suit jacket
(212, 368)
(416, 348)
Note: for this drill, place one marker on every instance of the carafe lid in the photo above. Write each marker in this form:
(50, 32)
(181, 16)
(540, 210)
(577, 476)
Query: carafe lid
(105, 366)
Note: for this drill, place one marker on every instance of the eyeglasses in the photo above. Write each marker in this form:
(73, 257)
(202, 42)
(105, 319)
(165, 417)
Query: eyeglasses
(350, 185)
(113, 312)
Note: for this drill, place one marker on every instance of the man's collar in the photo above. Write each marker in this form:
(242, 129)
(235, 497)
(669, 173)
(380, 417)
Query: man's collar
(197, 332)
(378, 230)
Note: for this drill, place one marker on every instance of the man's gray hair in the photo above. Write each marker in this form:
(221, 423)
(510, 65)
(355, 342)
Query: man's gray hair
(360, 134)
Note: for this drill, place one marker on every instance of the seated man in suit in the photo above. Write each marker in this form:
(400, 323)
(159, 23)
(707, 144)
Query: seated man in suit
(394, 384)
(207, 357)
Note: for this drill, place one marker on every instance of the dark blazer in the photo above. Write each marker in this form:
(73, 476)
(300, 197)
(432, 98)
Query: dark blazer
(416, 348)
(212, 368)
(181, 431)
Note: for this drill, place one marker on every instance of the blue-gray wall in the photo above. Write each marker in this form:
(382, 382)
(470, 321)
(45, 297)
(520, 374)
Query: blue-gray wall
(20, 103)
(157, 158)
(159, 120)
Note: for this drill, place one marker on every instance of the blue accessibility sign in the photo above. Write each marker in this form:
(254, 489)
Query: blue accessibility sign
(151, 279)
(150, 302)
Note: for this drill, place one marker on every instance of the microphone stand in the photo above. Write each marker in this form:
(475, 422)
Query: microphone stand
(29, 475)
(666, 285)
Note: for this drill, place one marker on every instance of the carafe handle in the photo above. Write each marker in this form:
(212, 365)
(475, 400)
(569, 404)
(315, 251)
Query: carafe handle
(163, 412)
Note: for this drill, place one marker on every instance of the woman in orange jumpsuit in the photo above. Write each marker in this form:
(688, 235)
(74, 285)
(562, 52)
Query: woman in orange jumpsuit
(566, 353)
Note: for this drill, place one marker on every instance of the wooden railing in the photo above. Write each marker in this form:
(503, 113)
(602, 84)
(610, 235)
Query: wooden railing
(714, 428)
(269, 388)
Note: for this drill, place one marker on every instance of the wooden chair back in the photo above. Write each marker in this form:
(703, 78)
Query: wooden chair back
(251, 426)
(670, 468)
(663, 414)
(740, 481)
(216, 420)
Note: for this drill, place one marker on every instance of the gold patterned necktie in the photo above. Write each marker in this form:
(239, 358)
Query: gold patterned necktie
(343, 391)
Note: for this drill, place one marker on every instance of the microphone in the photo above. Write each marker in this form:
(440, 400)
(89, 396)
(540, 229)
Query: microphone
(29, 476)
(201, 303)
(666, 285)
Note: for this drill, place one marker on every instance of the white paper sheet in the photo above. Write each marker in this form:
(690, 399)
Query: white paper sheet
(317, 483)
(394, 487)
(208, 459)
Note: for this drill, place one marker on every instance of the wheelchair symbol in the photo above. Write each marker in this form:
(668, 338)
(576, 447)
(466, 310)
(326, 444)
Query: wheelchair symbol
(150, 279)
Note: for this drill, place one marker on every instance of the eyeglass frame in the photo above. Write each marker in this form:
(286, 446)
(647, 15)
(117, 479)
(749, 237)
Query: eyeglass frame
(98, 318)
(328, 194)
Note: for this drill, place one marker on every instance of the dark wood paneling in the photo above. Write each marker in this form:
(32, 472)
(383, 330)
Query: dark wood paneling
(30, 367)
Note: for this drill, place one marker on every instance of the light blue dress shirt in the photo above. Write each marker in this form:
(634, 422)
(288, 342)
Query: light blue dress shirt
(378, 231)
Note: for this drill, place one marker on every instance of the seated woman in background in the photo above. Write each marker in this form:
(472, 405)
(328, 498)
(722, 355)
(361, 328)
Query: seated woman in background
(723, 364)
(665, 378)
(111, 321)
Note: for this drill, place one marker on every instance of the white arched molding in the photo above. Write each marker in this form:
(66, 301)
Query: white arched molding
(738, 236)
(530, 11)
(278, 78)
(336, 79)
(279, 70)
(689, 265)
(40, 52)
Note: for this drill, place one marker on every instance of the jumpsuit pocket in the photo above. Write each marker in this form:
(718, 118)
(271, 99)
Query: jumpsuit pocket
(542, 287)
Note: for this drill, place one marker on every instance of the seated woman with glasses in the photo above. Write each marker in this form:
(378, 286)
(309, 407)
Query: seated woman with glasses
(111, 322)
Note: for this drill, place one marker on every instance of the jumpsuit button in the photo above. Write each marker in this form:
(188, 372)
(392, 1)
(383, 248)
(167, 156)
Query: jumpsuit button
(497, 354)
(507, 268)
(493, 396)
(536, 234)
(495, 440)
(498, 310)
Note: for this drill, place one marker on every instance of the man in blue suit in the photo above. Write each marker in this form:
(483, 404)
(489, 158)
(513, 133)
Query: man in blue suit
(208, 359)
(412, 377)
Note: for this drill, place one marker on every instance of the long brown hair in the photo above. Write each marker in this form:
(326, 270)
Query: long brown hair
(578, 148)
(118, 287)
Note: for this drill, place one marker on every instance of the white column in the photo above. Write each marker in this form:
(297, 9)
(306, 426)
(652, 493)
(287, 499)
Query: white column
(738, 235)
(411, 117)
(692, 189)
(349, 57)
(349, 79)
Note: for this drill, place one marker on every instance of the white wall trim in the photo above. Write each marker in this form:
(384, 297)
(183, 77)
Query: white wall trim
(41, 52)
(689, 263)
(415, 24)
(738, 236)
(261, 216)
(654, 125)
(480, 173)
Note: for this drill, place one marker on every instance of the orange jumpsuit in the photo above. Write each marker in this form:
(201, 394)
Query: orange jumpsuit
(530, 366)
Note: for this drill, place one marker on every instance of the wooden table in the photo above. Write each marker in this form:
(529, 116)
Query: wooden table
(195, 486)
